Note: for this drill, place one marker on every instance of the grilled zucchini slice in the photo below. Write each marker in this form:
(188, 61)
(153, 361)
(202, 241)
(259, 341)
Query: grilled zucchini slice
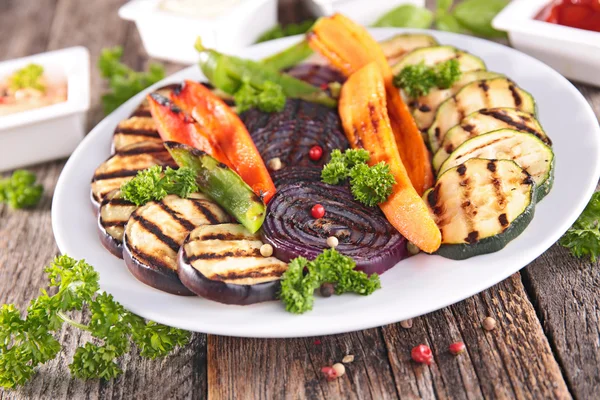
(223, 263)
(112, 218)
(424, 108)
(124, 165)
(155, 232)
(529, 152)
(437, 54)
(485, 121)
(397, 46)
(480, 206)
(489, 93)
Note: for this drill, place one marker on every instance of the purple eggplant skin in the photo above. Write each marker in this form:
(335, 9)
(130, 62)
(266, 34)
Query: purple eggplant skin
(108, 242)
(158, 278)
(222, 292)
(94, 203)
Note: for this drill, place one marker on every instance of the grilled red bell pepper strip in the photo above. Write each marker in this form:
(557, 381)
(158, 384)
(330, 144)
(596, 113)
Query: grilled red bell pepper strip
(175, 125)
(229, 132)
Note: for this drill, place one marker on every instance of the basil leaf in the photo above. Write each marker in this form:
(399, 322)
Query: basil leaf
(406, 16)
(448, 23)
(443, 6)
(477, 15)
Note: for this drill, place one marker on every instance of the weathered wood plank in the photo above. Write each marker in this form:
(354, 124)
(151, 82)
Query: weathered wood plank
(513, 361)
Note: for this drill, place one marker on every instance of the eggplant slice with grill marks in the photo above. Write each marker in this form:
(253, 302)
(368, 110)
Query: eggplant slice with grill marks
(112, 218)
(480, 206)
(124, 165)
(223, 263)
(156, 231)
(485, 121)
(291, 141)
(488, 93)
(363, 232)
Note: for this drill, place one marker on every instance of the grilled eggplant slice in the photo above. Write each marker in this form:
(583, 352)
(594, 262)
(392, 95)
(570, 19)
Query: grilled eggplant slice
(489, 93)
(124, 165)
(529, 152)
(485, 121)
(397, 46)
(480, 206)
(155, 232)
(223, 263)
(424, 108)
(437, 54)
(112, 218)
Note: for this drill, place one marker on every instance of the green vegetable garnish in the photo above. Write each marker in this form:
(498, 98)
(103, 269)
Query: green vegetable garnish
(123, 81)
(369, 185)
(406, 16)
(418, 80)
(279, 31)
(28, 342)
(20, 190)
(28, 77)
(583, 238)
(269, 98)
(477, 16)
(298, 287)
(154, 184)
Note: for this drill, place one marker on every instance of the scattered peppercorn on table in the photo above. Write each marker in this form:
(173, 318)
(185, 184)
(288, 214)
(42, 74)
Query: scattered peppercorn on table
(534, 335)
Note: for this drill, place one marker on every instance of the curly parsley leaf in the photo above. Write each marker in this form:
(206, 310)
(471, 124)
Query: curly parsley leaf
(418, 79)
(269, 98)
(583, 238)
(154, 184)
(303, 277)
(369, 185)
(28, 77)
(20, 190)
(26, 343)
(124, 82)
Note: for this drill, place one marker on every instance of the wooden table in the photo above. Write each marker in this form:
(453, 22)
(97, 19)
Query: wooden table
(546, 344)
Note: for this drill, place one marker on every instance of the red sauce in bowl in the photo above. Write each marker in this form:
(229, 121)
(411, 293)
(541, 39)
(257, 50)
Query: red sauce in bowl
(582, 14)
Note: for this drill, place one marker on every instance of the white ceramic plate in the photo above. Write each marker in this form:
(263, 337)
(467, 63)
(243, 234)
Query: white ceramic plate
(414, 287)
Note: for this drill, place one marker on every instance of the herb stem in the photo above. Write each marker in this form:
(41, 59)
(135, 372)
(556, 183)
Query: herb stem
(72, 323)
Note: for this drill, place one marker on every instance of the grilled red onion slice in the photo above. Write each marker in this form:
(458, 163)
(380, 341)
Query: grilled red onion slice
(316, 74)
(363, 232)
(291, 175)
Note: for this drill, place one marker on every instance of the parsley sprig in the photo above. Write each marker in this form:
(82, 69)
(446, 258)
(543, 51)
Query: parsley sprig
(154, 184)
(369, 185)
(28, 77)
(303, 277)
(583, 238)
(20, 190)
(124, 82)
(418, 79)
(27, 342)
(269, 98)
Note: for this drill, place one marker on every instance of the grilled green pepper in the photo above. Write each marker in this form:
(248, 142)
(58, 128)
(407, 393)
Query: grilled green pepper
(228, 73)
(221, 184)
(289, 57)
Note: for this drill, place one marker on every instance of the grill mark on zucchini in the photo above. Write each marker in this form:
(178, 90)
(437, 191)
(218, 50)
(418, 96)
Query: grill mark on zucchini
(152, 228)
(219, 256)
(123, 173)
(502, 116)
(183, 222)
(466, 205)
(503, 220)
(141, 113)
(485, 87)
(516, 96)
(472, 237)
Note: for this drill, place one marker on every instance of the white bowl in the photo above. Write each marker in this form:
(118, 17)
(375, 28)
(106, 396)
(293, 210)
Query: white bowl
(575, 53)
(171, 36)
(365, 12)
(54, 131)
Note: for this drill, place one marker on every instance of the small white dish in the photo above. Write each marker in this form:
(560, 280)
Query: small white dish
(54, 131)
(170, 35)
(365, 12)
(573, 52)
(416, 286)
